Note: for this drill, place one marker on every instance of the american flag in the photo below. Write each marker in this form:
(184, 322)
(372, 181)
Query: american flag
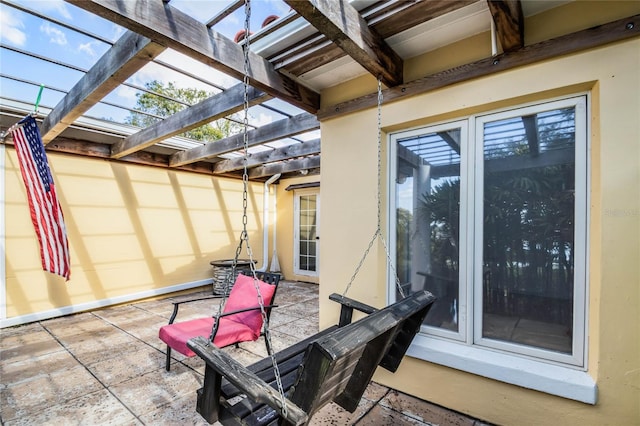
(46, 213)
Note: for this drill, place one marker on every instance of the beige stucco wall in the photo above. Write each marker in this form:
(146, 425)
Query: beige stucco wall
(285, 227)
(132, 230)
(611, 75)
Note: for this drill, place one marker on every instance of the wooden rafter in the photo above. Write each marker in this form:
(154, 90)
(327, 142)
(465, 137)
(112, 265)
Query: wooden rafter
(280, 129)
(213, 108)
(409, 14)
(130, 53)
(341, 23)
(285, 167)
(320, 51)
(509, 20)
(280, 154)
(172, 28)
(621, 29)
(103, 151)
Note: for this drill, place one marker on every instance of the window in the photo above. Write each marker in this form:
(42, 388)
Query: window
(490, 215)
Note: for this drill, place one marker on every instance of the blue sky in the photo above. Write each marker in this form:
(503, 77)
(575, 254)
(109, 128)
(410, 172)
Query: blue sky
(27, 32)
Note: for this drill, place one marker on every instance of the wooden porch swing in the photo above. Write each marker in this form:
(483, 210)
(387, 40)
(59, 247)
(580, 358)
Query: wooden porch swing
(336, 364)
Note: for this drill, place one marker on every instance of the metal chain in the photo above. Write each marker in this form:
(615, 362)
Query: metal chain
(378, 232)
(244, 235)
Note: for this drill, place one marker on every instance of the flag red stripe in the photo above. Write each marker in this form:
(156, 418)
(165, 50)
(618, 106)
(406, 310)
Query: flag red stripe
(38, 202)
(41, 211)
(46, 214)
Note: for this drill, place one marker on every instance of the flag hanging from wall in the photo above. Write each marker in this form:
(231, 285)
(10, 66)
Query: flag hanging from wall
(46, 213)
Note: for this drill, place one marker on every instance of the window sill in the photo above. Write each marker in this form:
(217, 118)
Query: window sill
(540, 376)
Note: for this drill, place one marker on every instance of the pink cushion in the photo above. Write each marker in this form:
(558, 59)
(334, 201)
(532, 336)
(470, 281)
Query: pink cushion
(176, 335)
(242, 327)
(244, 295)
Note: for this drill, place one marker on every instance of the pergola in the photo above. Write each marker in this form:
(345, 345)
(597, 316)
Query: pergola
(317, 45)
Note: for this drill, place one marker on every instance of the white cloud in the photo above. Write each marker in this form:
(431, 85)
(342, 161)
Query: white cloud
(263, 118)
(88, 48)
(55, 35)
(117, 31)
(126, 92)
(58, 6)
(11, 28)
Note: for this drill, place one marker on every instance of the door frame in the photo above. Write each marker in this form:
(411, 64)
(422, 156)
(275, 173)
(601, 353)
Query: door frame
(297, 194)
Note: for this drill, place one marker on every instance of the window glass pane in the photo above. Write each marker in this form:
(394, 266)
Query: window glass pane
(307, 228)
(428, 218)
(311, 266)
(528, 229)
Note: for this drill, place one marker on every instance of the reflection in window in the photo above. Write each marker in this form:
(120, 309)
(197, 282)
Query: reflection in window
(528, 229)
(427, 220)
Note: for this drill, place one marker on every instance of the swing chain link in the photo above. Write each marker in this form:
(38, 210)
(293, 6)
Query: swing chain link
(378, 231)
(245, 203)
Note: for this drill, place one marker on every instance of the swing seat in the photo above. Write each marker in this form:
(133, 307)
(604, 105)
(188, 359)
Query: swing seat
(241, 320)
(336, 364)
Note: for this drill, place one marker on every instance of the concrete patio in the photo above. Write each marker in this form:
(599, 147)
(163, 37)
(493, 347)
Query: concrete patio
(106, 367)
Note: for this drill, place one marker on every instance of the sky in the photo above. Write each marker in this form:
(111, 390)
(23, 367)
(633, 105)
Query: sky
(24, 31)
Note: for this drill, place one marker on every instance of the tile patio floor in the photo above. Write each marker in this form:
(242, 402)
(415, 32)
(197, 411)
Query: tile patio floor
(106, 367)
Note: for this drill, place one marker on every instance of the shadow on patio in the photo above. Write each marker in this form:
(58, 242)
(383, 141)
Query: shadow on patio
(107, 367)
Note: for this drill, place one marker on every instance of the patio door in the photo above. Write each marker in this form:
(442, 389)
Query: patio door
(306, 232)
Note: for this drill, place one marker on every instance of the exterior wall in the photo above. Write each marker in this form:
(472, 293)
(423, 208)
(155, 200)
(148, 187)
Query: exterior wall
(611, 75)
(284, 228)
(134, 232)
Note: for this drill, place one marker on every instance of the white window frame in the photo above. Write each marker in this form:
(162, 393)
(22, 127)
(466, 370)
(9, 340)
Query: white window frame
(296, 231)
(546, 371)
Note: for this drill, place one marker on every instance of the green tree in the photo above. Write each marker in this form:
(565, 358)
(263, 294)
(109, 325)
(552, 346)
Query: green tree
(165, 106)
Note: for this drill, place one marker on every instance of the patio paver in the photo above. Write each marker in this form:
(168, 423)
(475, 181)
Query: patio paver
(106, 367)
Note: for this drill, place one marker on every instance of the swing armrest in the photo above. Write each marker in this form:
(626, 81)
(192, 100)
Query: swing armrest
(220, 364)
(176, 305)
(348, 305)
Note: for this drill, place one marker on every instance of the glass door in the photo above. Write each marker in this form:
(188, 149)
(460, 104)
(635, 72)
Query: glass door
(306, 236)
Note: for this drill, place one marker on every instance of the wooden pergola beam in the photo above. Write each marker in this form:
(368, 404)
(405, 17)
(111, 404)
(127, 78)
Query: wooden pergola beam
(406, 15)
(103, 151)
(130, 53)
(280, 129)
(279, 154)
(600, 35)
(172, 28)
(213, 108)
(342, 24)
(509, 21)
(285, 167)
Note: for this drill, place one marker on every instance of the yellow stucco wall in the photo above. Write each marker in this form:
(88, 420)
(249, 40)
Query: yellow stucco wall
(612, 75)
(131, 229)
